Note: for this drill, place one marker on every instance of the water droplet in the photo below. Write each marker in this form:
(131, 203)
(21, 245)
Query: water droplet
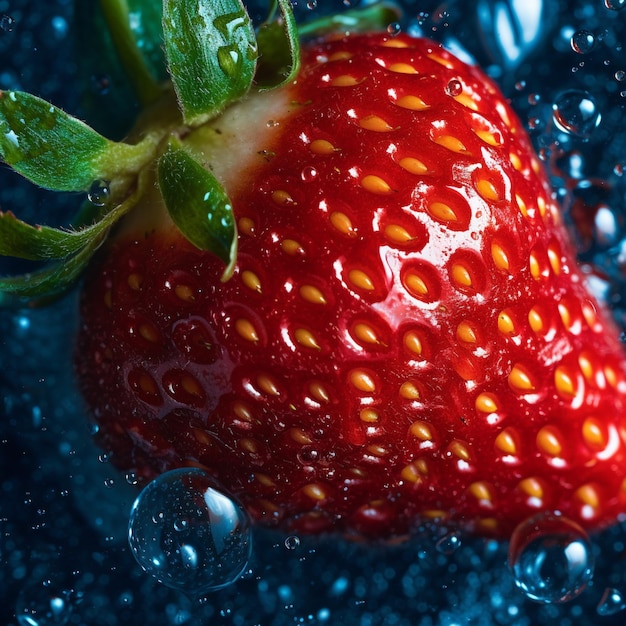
(520, 85)
(292, 542)
(582, 41)
(308, 174)
(615, 5)
(131, 478)
(620, 75)
(109, 483)
(448, 544)
(454, 87)
(99, 193)
(311, 5)
(7, 23)
(576, 113)
(209, 551)
(534, 98)
(394, 29)
(611, 602)
(618, 169)
(551, 558)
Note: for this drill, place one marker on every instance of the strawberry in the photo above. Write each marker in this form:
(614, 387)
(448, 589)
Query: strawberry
(402, 334)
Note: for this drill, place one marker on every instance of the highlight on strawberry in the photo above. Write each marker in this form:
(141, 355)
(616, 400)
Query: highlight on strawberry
(326, 267)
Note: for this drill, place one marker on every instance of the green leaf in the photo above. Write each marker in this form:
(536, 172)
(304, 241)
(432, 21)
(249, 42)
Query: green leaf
(198, 205)
(55, 150)
(279, 49)
(211, 52)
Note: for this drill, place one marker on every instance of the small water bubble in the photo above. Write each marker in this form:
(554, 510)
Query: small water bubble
(551, 558)
(454, 87)
(520, 85)
(618, 169)
(394, 29)
(131, 478)
(582, 41)
(7, 23)
(422, 16)
(611, 602)
(576, 113)
(620, 75)
(109, 483)
(99, 193)
(534, 99)
(615, 5)
(448, 544)
(308, 174)
(43, 605)
(311, 5)
(207, 552)
(292, 542)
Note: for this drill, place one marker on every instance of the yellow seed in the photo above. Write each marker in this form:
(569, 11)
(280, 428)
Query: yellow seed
(306, 339)
(341, 55)
(376, 450)
(515, 161)
(246, 226)
(459, 449)
(450, 143)
(252, 446)
(523, 209)
(413, 165)
(541, 203)
(184, 293)
(589, 313)
(362, 381)
(480, 490)
(441, 60)
(395, 43)
(549, 441)
(108, 299)
(413, 103)
(264, 479)
(531, 487)
(487, 189)
(566, 384)
(312, 294)
(135, 281)
(505, 442)
(397, 234)
(322, 147)
(465, 332)
(411, 474)
(300, 436)
(416, 285)
(268, 385)
(487, 402)
(365, 333)
(245, 328)
(555, 260)
(535, 320)
(315, 491)
(467, 101)
(291, 247)
(520, 379)
(442, 211)
(319, 392)
(506, 325)
(500, 257)
(369, 416)
(345, 80)
(191, 386)
(593, 433)
(251, 280)
(242, 411)
(535, 266)
(409, 391)
(588, 494)
(611, 376)
(413, 342)
(421, 430)
(375, 185)
(461, 275)
(282, 197)
(586, 366)
(566, 315)
(361, 280)
(149, 333)
(488, 138)
(375, 123)
(342, 223)
(402, 68)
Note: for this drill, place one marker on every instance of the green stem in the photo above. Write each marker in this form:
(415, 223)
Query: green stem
(115, 13)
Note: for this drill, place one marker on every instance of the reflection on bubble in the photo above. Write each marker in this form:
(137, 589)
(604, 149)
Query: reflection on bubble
(575, 112)
(188, 534)
(551, 558)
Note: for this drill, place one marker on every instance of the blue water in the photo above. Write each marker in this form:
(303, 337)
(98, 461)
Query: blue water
(64, 511)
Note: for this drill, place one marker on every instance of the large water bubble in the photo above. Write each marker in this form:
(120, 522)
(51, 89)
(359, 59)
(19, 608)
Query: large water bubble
(575, 112)
(551, 558)
(188, 534)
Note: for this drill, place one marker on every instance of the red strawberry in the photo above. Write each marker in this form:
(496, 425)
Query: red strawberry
(406, 334)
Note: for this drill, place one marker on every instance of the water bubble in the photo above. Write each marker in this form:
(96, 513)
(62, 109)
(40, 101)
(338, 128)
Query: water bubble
(576, 113)
(292, 542)
(448, 544)
(615, 5)
(582, 41)
(620, 75)
(394, 29)
(454, 87)
(308, 174)
(99, 192)
(551, 558)
(186, 533)
(611, 602)
(311, 5)
(7, 23)
(520, 85)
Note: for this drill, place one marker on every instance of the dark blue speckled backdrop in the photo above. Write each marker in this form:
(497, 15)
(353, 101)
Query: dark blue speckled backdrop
(64, 557)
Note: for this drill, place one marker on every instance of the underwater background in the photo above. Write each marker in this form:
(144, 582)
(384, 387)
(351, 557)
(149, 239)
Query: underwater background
(64, 510)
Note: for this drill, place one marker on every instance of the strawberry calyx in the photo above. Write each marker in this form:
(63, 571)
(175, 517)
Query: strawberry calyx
(214, 57)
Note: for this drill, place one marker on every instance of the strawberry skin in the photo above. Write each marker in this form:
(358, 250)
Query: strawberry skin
(406, 335)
